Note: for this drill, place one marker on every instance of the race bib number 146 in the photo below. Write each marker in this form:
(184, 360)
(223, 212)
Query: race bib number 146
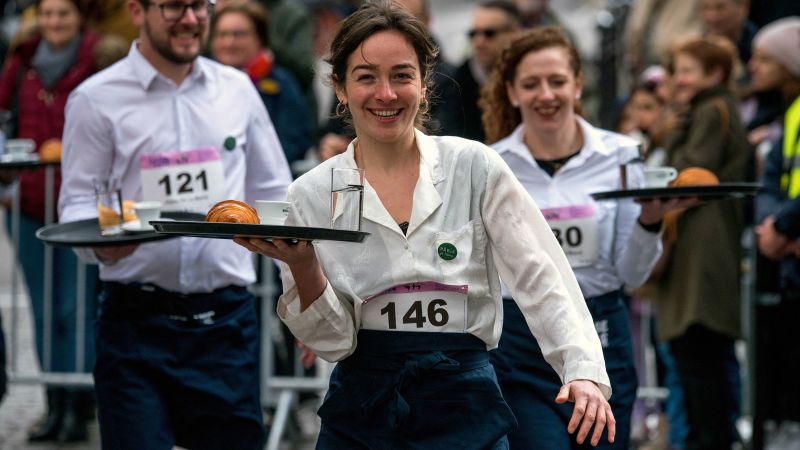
(425, 306)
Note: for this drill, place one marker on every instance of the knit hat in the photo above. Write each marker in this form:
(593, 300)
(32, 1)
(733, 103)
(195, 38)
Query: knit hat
(781, 40)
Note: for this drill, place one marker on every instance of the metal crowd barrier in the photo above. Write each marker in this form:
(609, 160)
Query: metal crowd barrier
(281, 392)
(277, 392)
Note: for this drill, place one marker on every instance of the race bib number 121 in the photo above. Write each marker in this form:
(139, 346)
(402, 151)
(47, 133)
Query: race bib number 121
(192, 180)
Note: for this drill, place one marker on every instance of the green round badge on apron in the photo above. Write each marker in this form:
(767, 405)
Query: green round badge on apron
(230, 143)
(447, 251)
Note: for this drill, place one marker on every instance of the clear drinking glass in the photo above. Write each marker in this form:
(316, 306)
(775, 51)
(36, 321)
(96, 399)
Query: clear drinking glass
(347, 198)
(109, 207)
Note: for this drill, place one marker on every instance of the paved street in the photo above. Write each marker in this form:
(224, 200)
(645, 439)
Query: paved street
(23, 404)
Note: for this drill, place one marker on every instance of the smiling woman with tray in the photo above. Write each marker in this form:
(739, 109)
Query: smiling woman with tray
(411, 313)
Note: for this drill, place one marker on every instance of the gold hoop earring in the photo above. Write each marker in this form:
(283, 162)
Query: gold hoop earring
(341, 109)
(424, 106)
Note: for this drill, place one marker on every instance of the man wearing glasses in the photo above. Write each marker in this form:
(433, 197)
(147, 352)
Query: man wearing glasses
(492, 23)
(177, 333)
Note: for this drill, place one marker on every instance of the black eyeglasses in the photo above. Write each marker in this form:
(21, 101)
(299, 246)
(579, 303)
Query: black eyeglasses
(488, 33)
(174, 11)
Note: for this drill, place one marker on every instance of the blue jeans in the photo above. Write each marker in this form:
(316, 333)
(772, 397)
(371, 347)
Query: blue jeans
(178, 370)
(64, 333)
(415, 390)
(530, 384)
(674, 406)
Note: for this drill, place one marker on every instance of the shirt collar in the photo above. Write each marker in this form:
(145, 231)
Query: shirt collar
(513, 143)
(426, 198)
(592, 142)
(428, 154)
(147, 74)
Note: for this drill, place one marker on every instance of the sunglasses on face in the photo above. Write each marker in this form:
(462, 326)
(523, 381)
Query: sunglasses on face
(488, 33)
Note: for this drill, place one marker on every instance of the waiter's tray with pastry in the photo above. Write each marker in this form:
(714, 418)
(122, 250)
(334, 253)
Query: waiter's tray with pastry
(232, 218)
(690, 182)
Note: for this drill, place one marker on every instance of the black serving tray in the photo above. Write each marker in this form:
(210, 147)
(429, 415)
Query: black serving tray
(704, 192)
(224, 230)
(30, 161)
(86, 233)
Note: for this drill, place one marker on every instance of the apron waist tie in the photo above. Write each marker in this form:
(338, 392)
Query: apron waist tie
(413, 370)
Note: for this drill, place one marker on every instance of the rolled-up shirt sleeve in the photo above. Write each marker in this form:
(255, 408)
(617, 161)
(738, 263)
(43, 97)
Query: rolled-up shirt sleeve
(327, 326)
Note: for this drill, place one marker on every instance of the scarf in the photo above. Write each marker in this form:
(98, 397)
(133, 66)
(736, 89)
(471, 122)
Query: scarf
(51, 65)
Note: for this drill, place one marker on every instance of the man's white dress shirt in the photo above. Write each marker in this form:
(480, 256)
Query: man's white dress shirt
(129, 111)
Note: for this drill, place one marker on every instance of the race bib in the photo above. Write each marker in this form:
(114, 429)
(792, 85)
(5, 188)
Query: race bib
(427, 306)
(575, 228)
(191, 180)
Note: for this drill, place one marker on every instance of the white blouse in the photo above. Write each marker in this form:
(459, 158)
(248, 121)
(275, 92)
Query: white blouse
(626, 252)
(466, 196)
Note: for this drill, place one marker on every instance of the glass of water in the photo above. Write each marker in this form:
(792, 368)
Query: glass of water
(347, 198)
(109, 207)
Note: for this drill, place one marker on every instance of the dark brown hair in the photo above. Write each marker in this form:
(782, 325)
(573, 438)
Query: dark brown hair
(513, 14)
(255, 12)
(374, 17)
(80, 5)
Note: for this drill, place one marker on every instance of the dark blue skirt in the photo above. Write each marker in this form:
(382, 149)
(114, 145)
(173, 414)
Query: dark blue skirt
(414, 390)
(531, 385)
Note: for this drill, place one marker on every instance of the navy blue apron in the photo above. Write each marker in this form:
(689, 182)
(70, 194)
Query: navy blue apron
(530, 384)
(415, 390)
(178, 369)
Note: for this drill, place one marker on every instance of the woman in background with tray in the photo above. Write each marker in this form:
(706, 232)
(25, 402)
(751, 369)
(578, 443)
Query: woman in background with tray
(411, 312)
(39, 76)
(532, 106)
(698, 293)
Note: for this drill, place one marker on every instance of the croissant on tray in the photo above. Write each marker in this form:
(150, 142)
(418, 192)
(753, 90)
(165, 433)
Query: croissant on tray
(232, 211)
(693, 176)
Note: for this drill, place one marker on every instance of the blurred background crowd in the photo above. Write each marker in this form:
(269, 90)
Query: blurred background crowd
(643, 79)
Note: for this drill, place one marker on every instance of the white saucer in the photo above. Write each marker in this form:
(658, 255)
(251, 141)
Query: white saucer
(23, 157)
(134, 226)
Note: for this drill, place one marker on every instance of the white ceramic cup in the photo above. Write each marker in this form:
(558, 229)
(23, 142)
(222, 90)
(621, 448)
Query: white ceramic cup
(19, 149)
(658, 177)
(272, 212)
(147, 211)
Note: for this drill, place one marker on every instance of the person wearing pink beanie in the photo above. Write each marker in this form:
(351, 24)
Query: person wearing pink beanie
(781, 40)
(776, 64)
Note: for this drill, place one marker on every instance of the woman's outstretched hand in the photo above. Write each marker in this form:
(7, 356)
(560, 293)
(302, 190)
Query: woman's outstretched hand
(653, 210)
(293, 254)
(301, 259)
(591, 408)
